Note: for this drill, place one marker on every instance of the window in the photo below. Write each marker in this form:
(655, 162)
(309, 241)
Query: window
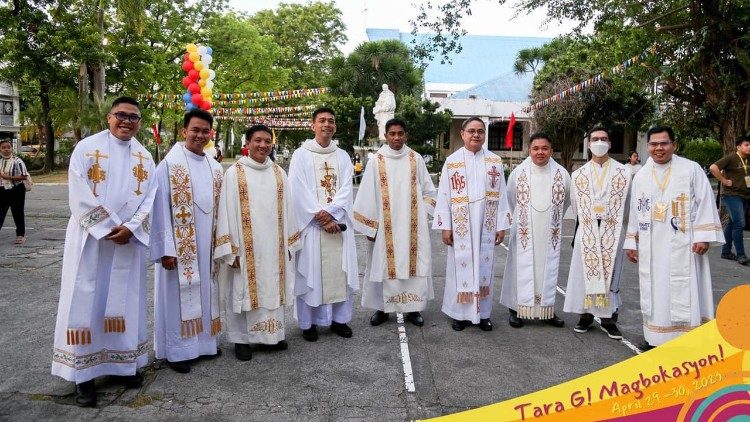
(496, 138)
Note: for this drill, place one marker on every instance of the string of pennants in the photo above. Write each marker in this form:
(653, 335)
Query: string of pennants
(242, 97)
(591, 81)
(270, 121)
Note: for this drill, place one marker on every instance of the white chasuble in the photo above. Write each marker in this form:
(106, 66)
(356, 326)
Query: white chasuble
(671, 209)
(101, 318)
(599, 197)
(326, 267)
(472, 204)
(186, 300)
(392, 206)
(538, 197)
(257, 225)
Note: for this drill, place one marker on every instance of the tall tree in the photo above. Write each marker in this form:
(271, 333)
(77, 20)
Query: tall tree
(309, 35)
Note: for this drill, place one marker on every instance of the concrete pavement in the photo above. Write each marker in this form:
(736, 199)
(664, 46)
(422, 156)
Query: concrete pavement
(361, 378)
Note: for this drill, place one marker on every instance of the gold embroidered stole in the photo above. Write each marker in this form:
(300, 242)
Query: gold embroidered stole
(387, 219)
(600, 241)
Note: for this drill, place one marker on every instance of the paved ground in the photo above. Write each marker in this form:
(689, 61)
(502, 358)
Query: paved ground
(361, 378)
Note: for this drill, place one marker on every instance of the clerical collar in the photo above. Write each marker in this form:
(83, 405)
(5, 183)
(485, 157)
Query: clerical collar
(542, 166)
(662, 166)
(392, 153)
(481, 151)
(314, 146)
(249, 162)
(118, 140)
(192, 155)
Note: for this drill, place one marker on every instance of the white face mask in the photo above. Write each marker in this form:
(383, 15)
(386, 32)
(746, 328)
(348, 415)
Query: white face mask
(599, 148)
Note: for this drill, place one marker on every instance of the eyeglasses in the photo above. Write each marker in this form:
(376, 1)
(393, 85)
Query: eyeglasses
(473, 132)
(132, 118)
(196, 131)
(659, 144)
(605, 139)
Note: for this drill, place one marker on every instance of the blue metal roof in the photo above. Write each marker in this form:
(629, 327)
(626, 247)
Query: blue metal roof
(509, 87)
(482, 58)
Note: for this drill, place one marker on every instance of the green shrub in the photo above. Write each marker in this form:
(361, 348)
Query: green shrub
(704, 151)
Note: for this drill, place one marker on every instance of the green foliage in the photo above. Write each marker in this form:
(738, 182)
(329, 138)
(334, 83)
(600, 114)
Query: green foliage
(704, 151)
(425, 125)
(373, 64)
(308, 34)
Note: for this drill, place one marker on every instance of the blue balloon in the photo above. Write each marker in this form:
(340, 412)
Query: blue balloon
(209, 50)
(189, 106)
(187, 97)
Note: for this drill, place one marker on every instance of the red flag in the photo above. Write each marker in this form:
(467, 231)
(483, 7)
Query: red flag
(509, 135)
(157, 136)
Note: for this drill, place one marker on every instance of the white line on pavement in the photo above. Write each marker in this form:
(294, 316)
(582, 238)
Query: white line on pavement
(623, 340)
(405, 359)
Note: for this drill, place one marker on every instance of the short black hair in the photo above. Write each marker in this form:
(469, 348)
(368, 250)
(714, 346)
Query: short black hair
(201, 114)
(541, 135)
(630, 154)
(597, 128)
(256, 128)
(741, 139)
(323, 110)
(4, 140)
(659, 129)
(395, 122)
(469, 120)
(125, 100)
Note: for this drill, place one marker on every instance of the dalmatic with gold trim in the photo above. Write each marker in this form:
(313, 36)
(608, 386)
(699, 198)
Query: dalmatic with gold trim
(675, 283)
(472, 204)
(101, 316)
(599, 198)
(392, 206)
(186, 299)
(257, 225)
(538, 197)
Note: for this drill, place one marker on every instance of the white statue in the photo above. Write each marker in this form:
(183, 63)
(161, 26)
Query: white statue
(384, 109)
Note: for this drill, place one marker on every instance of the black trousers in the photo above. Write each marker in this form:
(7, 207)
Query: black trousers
(14, 199)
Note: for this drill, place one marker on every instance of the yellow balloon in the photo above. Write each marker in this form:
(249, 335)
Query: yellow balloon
(198, 65)
(194, 56)
(207, 98)
(204, 73)
(202, 82)
(206, 91)
(191, 48)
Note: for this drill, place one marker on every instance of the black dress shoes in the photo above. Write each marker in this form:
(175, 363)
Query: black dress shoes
(485, 324)
(243, 352)
(131, 381)
(86, 394)
(311, 334)
(645, 346)
(514, 321)
(342, 330)
(555, 321)
(211, 357)
(378, 318)
(182, 367)
(415, 318)
(282, 345)
(458, 325)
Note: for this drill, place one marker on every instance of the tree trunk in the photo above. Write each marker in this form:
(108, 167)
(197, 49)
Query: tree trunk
(731, 127)
(49, 156)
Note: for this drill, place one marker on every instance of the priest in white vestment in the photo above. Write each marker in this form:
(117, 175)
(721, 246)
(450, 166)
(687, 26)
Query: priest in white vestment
(599, 198)
(673, 221)
(255, 239)
(186, 303)
(472, 215)
(538, 194)
(391, 209)
(320, 176)
(101, 315)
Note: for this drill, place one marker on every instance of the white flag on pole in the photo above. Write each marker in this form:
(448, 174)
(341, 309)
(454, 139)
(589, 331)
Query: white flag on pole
(362, 124)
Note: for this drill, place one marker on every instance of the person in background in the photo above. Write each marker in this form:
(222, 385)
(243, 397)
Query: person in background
(12, 191)
(634, 163)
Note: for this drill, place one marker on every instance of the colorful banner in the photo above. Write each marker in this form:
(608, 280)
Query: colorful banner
(703, 375)
(241, 97)
(589, 82)
(271, 121)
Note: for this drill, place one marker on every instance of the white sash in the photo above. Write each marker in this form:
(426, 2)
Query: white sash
(469, 287)
(678, 198)
(599, 241)
(524, 245)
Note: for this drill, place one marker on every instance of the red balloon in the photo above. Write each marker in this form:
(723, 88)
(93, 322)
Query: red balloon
(194, 88)
(205, 105)
(197, 99)
(187, 66)
(194, 74)
(186, 81)
(186, 57)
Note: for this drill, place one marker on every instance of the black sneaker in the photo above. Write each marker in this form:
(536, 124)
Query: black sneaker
(584, 324)
(243, 352)
(86, 394)
(378, 318)
(730, 256)
(182, 367)
(743, 260)
(645, 346)
(612, 331)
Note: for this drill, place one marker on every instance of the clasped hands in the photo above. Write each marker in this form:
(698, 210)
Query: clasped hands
(327, 222)
(120, 235)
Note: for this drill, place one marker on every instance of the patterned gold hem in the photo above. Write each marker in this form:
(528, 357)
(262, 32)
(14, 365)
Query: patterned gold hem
(527, 312)
(676, 328)
(104, 356)
(366, 221)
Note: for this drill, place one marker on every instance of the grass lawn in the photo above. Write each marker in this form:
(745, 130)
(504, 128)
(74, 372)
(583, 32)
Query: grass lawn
(57, 176)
